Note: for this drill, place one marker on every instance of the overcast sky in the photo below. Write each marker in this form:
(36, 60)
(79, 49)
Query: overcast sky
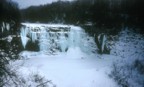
(27, 3)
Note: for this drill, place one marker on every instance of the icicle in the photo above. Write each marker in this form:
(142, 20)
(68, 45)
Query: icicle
(2, 29)
(103, 42)
(24, 40)
(71, 38)
(63, 44)
(8, 26)
(23, 35)
(99, 37)
(33, 36)
(3, 24)
(77, 38)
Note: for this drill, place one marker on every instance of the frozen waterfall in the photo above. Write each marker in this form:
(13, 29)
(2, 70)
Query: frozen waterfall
(53, 38)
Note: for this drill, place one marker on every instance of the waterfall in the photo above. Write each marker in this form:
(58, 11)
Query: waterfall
(51, 37)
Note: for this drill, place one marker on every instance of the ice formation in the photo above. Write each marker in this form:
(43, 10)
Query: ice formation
(24, 38)
(2, 29)
(8, 26)
(5, 26)
(103, 42)
(53, 37)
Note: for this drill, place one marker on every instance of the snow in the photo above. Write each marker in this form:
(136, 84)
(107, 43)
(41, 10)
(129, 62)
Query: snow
(74, 69)
(131, 50)
(9, 38)
(71, 69)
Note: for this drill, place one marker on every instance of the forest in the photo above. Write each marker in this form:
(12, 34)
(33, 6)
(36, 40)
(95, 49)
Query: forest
(102, 14)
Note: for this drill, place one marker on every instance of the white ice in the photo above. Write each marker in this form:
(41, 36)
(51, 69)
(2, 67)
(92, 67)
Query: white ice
(49, 39)
(24, 37)
(103, 42)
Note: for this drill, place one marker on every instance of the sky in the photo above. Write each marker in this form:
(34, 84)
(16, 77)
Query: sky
(26, 3)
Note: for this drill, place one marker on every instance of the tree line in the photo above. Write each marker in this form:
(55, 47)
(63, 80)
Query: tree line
(101, 13)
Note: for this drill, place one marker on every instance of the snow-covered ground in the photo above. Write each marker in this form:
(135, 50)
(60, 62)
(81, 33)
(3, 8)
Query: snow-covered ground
(70, 71)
